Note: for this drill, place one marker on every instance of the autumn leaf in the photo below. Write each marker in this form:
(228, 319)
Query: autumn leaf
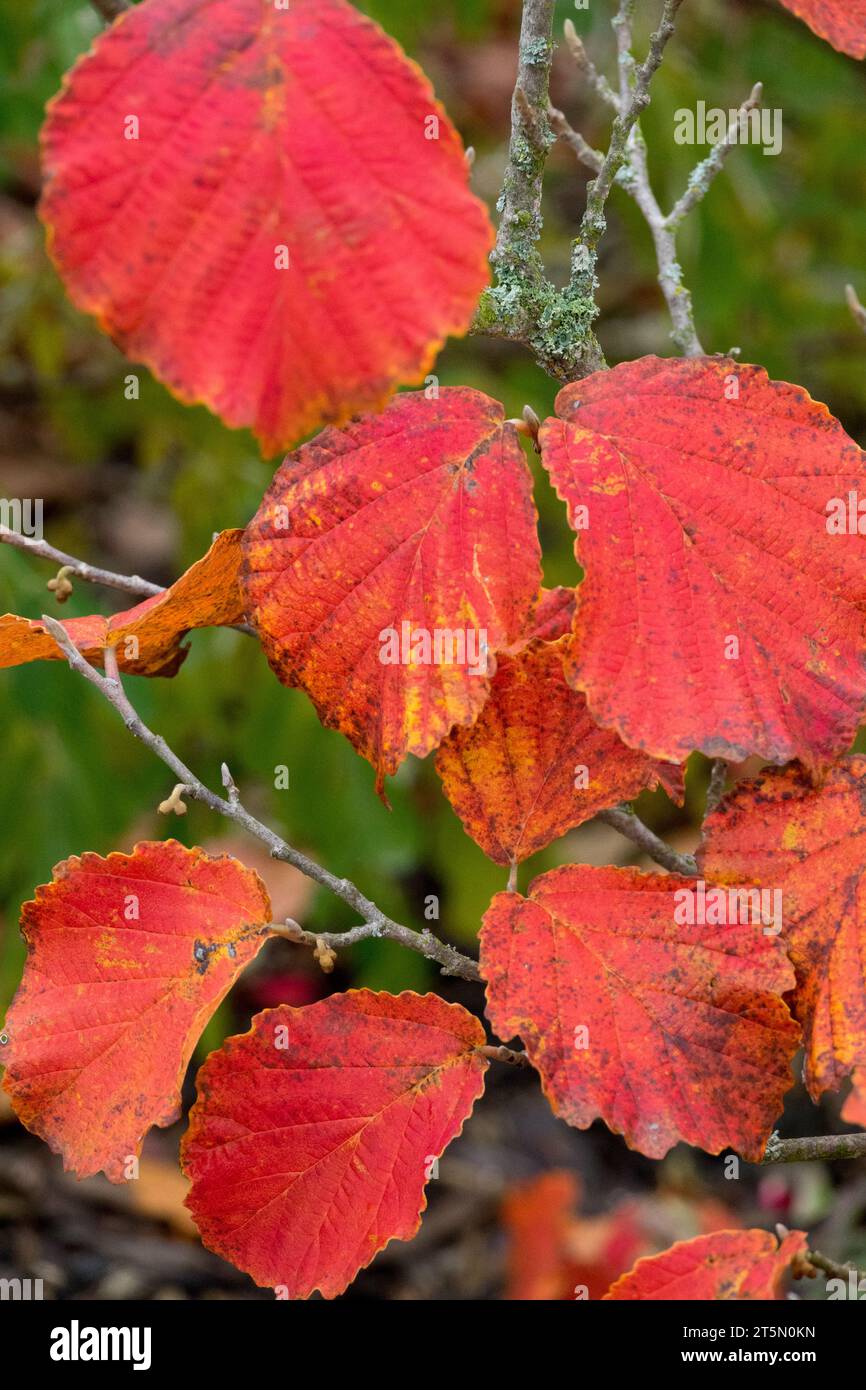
(388, 561)
(720, 611)
(666, 1031)
(534, 764)
(315, 1133)
(807, 843)
(128, 958)
(841, 22)
(854, 1109)
(149, 637)
(266, 205)
(736, 1265)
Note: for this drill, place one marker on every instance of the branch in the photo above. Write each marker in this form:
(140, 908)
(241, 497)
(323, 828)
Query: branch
(703, 174)
(829, 1146)
(630, 825)
(110, 9)
(126, 583)
(452, 962)
(587, 68)
(832, 1267)
(857, 309)
(716, 786)
(523, 305)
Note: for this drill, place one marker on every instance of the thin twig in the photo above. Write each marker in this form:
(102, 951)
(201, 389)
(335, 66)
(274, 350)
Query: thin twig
(506, 1054)
(716, 786)
(593, 159)
(833, 1267)
(630, 825)
(587, 68)
(826, 1146)
(126, 583)
(703, 174)
(452, 962)
(857, 309)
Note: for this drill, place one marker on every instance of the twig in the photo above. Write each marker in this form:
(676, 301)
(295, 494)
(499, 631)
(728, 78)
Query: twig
(716, 786)
(827, 1146)
(593, 159)
(126, 583)
(833, 1267)
(523, 305)
(110, 9)
(634, 99)
(452, 962)
(587, 68)
(506, 1054)
(630, 825)
(857, 309)
(703, 174)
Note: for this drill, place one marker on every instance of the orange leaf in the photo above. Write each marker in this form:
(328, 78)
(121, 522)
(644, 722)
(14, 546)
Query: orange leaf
(808, 843)
(841, 22)
(149, 637)
(718, 611)
(266, 205)
(665, 1031)
(128, 958)
(534, 764)
(736, 1265)
(385, 563)
(315, 1133)
(854, 1109)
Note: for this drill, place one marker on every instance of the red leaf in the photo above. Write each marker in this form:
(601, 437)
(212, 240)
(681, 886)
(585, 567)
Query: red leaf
(534, 764)
(263, 134)
(416, 521)
(149, 637)
(112, 1003)
(781, 832)
(664, 1031)
(717, 612)
(841, 22)
(314, 1134)
(736, 1265)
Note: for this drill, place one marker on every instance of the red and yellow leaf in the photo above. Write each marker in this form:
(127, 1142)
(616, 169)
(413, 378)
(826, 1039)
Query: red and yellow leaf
(735, 1265)
(666, 1031)
(534, 764)
(315, 1133)
(841, 22)
(128, 958)
(718, 612)
(148, 637)
(266, 205)
(407, 536)
(808, 843)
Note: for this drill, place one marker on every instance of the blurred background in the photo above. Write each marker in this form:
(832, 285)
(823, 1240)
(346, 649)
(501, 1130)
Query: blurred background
(522, 1206)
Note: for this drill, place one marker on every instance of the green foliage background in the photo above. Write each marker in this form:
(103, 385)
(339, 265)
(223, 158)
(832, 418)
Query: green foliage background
(767, 257)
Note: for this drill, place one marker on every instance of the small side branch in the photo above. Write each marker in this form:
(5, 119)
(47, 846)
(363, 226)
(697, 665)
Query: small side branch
(507, 1055)
(450, 960)
(703, 174)
(630, 825)
(828, 1146)
(857, 310)
(126, 583)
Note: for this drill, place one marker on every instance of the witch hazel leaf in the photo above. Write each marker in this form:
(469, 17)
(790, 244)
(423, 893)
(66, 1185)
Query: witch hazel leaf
(854, 1109)
(807, 844)
(722, 607)
(128, 958)
(388, 563)
(266, 205)
(738, 1265)
(534, 764)
(841, 22)
(666, 1028)
(149, 637)
(315, 1133)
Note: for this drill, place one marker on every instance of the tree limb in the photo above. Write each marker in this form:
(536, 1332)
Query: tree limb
(451, 961)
